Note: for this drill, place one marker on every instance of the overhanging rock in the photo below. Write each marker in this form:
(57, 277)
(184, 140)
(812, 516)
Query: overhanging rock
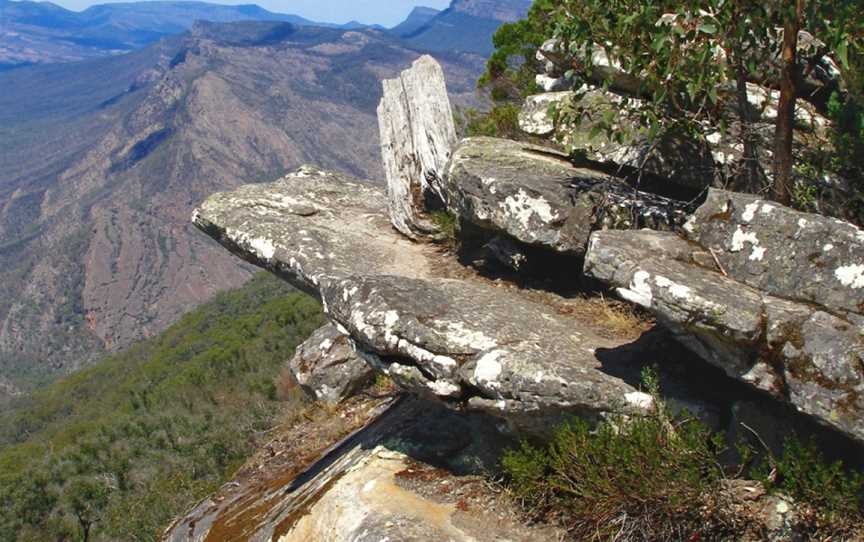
(769, 294)
(463, 340)
(538, 197)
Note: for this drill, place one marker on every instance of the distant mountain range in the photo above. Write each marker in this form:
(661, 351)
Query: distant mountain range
(467, 25)
(42, 32)
(103, 160)
(38, 32)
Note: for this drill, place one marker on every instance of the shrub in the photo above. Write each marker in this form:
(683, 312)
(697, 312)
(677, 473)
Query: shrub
(833, 496)
(500, 121)
(629, 478)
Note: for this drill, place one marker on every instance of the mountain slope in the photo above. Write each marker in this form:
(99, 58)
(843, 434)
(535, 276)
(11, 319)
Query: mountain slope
(155, 428)
(467, 25)
(418, 17)
(39, 32)
(96, 250)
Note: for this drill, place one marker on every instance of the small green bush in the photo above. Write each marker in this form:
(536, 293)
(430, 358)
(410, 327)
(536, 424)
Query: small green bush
(654, 477)
(448, 225)
(629, 478)
(501, 121)
(834, 495)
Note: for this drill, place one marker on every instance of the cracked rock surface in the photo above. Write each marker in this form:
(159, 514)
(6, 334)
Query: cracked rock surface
(778, 316)
(536, 196)
(460, 339)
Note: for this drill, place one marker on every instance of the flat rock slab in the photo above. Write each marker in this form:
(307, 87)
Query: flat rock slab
(462, 340)
(794, 255)
(797, 352)
(538, 197)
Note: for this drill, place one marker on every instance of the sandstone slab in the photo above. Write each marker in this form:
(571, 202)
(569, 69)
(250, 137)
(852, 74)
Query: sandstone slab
(454, 339)
(538, 197)
(786, 324)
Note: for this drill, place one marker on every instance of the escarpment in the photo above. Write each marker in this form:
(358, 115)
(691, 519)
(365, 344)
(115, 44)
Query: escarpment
(764, 302)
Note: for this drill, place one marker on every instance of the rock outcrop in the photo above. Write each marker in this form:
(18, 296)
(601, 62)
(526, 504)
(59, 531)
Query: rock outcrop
(773, 296)
(460, 340)
(417, 137)
(403, 469)
(327, 368)
(538, 197)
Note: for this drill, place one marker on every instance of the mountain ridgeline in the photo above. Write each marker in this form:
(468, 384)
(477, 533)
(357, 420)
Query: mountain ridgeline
(39, 32)
(103, 161)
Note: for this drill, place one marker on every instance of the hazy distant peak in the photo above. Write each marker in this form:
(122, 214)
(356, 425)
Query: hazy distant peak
(499, 10)
(419, 17)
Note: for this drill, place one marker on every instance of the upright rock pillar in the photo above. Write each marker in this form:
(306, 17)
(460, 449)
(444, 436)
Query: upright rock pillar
(417, 138)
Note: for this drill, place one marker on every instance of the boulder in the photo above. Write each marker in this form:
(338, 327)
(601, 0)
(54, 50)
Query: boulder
(327, 368)
(677, 159)
(770, 295)
(417, 135)
(538, 197)
(466, 340)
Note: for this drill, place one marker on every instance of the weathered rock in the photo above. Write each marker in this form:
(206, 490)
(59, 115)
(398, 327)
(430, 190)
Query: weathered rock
(327, 368)
(677, 159)
(454, 339)
(786, 319)
(375, 483)
(417, 136)
(535, 195)
(786, 253)
(535, 118)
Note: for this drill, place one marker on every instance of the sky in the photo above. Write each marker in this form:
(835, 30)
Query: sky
(384, 12)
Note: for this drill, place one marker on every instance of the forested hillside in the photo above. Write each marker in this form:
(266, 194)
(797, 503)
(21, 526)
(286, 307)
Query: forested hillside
(123, 447)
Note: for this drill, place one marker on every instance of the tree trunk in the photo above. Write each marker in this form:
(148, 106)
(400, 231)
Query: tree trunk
(786, 109)
(749, 178)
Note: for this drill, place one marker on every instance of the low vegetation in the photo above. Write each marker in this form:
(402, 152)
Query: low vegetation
(656, 477)
(116, 451)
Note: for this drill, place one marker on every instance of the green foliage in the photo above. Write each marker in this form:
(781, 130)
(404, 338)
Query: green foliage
(511, 68)
(691, 60)
(801, 472)
(126, 445)
(500, 121)
(448, 224)
(640, 476)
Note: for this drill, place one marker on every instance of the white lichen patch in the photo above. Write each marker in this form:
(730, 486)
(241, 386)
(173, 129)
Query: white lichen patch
(639, 291)
(264, 248)
(640, 400)
(326, 345)
(758, 254)
(442, 388)
(523, 207)
(828, 248)
(750, 212)
(690, 225)
(678, 291)
(462, 337)
(851, 276)
(767, 209)
(740, 237)
(488, 369)
(802, 223)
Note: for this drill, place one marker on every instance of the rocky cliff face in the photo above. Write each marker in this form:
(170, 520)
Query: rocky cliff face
(97, 251)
